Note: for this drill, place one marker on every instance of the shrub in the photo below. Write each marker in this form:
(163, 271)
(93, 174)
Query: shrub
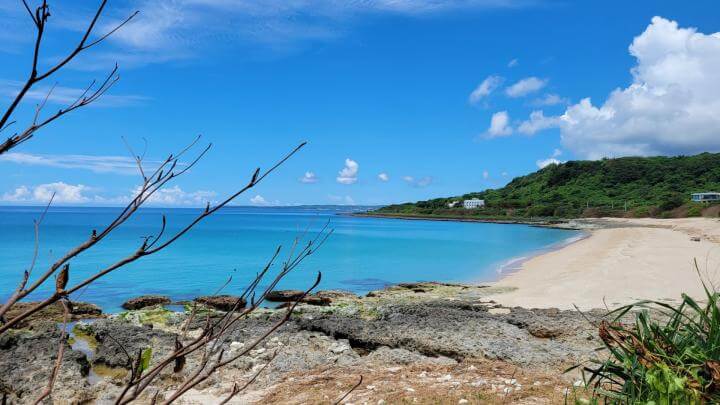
(673, 361)
(694, 210)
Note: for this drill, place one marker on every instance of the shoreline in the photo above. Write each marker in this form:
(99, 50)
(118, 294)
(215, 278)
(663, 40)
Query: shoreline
(568, 224)
(516, 264)
(620, 262)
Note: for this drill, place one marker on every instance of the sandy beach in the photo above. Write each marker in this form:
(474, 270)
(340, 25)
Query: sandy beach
(623, 261)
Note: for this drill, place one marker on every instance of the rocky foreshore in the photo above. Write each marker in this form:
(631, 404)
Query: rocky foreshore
(419, 342)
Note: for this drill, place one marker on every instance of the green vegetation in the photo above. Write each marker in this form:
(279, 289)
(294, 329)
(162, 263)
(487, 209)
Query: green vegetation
(674, 361)
(631, 186)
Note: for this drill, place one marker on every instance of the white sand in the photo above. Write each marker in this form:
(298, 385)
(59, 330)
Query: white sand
(652, 260)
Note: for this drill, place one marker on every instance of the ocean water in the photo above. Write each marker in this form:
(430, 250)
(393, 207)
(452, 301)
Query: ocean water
(362, 254)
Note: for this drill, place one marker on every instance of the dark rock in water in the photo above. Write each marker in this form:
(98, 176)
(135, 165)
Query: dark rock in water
(53, 312)
(310, 300)
(284, 295)
(145, 301)
(82, 310)
(222, 302)
(315, 300)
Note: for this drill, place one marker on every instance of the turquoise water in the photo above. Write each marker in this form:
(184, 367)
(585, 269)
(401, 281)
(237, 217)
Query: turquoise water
(362, 254)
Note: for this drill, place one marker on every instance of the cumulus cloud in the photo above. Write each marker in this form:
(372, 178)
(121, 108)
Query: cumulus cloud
(538, 122)
(342, 200)
(82, 195)
(176, 196)
(499, 125)
(552, 160)
(260, 201)
(485, 88)
(383, 177)
(672, 106)
(420, 183)
(525, 86)
(64, 194)
(309, 178)
(348, 175)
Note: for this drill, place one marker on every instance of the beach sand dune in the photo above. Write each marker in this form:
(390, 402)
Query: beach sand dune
(624, 261)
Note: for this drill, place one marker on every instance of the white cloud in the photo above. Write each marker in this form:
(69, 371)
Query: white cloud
(383, 177)
(550, 100)
(97, 164)
(538, 122)
(512, 63)
(309, 178)
(64, 194)
(66, 95)
(177, 29)
(485, 88)
(552, 160)
(176, 196)
(499, 125)
(258, 200)
(525, 86)
(672, 106)
(81, 194)
(485, 174)
(348, 175)
(421, 182)
(343, 200)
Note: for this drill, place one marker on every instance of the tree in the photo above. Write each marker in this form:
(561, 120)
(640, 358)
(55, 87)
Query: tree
(209, 341)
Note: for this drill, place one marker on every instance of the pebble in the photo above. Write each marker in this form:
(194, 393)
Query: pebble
(370, 387)
(408, 389)
(394, 369)
(381, 402)
(463, 401)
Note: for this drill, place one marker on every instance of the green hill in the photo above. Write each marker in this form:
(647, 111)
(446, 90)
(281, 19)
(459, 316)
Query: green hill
(630, 186)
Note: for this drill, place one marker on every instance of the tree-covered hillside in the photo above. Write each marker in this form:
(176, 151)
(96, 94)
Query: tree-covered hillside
(630, 186)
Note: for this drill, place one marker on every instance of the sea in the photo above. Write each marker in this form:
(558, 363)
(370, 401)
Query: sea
(224, 252)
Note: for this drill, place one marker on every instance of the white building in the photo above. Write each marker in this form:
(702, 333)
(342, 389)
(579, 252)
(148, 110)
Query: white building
(706, 197)
(474, 203)
(452, 204)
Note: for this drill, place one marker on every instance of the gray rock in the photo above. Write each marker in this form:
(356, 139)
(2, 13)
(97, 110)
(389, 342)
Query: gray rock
(222, 302)
(284, 295)
(145, 301)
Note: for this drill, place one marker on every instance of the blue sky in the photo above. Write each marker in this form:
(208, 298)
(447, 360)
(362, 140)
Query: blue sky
(399, 100)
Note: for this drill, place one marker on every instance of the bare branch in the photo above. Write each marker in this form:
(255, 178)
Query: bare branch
(349, 392)
(60, 354)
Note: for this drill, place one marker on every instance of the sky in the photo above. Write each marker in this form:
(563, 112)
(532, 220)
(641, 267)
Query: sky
(398, 100)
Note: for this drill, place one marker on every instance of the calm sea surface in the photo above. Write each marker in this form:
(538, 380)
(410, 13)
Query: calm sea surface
(362, 254)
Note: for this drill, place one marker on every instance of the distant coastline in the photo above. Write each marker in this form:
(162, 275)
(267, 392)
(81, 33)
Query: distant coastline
(568, 224)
